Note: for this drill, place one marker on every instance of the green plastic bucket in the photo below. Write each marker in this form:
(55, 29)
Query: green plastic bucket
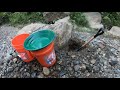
(39, 40)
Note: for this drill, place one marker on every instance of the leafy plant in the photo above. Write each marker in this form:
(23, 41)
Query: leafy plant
(15, 18)
(110, 19)
(79, 19)
(4, 17)
(25, 17)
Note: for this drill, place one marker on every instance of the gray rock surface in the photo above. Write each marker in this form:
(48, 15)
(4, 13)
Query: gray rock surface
(94, 19)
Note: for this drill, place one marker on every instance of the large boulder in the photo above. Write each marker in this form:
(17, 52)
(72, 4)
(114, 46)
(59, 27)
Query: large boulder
(62, 28)
(115, 31)
(31, 28)
(94, 19)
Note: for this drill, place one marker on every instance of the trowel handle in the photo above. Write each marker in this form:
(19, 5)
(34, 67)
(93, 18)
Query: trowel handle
(100, 32)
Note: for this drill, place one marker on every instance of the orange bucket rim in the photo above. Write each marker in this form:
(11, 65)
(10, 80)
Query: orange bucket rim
(16, 37)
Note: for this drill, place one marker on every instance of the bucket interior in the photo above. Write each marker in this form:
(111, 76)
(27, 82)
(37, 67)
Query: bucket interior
(39, 40)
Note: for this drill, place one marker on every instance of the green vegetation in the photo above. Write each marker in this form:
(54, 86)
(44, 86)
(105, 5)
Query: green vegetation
(15, 18)
(110, 19)
(79, 19)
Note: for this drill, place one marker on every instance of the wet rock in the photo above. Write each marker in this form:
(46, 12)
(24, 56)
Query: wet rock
(76, 67)
(46, 71)
(113, 63)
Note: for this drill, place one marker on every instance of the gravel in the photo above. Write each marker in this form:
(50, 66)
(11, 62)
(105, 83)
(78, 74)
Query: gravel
(100, 59)
(113, 63)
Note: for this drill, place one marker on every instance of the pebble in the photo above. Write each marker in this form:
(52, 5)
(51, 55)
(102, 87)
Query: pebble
(64, 76)
(105, 67)
(101, 45)
(8, 57)
(88, 74)
(40, 76)
(59, 68)
(14, 54)
(62, 73)
(83, 67)
(9, 69)
(93, 61)
(89, 68)
(96, 69)
(14, 60)
(117, 71)
(118, 59)
(14, 76)
(73, 56)
(59, 62)
(33, 75)
(76, 67)
(26, 75)
(34, 68)
(46, 71)
(72, 64)
(16, 69)
(21, 69)
(119, 49)
(25, 70)
(76, 62)
(117, 77)
(70, 68)
(113, 63)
